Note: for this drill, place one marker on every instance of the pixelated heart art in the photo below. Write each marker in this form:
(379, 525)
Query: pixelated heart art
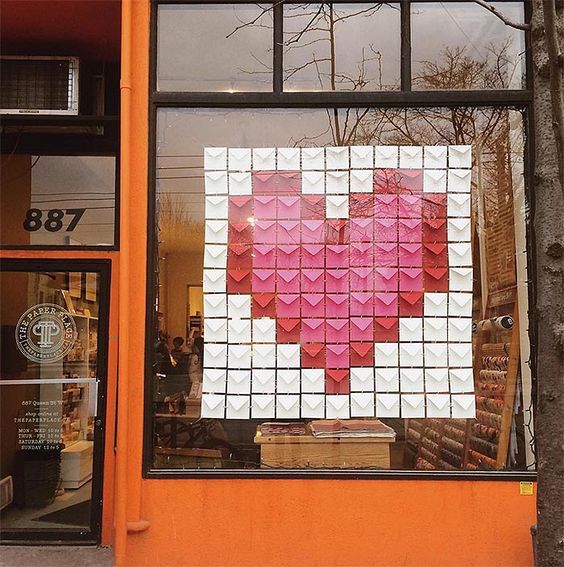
(338, 283)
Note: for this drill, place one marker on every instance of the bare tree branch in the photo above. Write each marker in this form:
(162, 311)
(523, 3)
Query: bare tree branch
(502, 16)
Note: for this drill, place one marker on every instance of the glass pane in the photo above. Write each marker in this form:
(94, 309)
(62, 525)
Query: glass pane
(224, 48)
(473, 49)
(48, 398)
(57, 200)
(341, 47)
(197, 374)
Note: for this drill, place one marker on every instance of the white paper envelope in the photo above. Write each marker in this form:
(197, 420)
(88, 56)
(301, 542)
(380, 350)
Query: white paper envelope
(436, 380)
(362, 157)
(459, 330)
(215, 355)
(459, 180)
(215, 158)
(435, 304)
(386, 355)
(463, 406)
(264, 356)
(362, 181)
(458, 205)
(262, 406)
(288, 159)
(362, 379)
(411, 354)
(459, 230)
(313, 182)
(362, 404)
(337, 183)
(410, 329)
(238, 381)
(239, 159)
(411, 380)
(215, 256)
(215, 305)
(263, 381)
(215, 183)
(313, 158)
(215, 281)
(460, 304)
(238, 407)
(264, 330)
(240, 183)
(459, 156)
(213, 406)
(217, 207)
(386, 156)
(435, 329)
(215, 330)
(434, 181)
(239, 330)
(387, 379)
(460, 279)
(436, 355)
(313, 406)
(264, 159)
(438, 405)
(435, 157)
(216, 232)
(411, 157)
(214, 380)
(337, 407)
(337, 207)
(337, 157)
(313, 380)
(387, 405)
(461, 380)
(287, 407)
(239, 306)
(238, 356)
(460, 354)
(288, 356)
(412, 405)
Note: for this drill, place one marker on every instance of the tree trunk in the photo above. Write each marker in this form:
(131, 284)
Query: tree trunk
(548, 224)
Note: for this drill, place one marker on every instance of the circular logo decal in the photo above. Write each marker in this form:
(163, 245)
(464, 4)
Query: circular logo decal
(45, 333)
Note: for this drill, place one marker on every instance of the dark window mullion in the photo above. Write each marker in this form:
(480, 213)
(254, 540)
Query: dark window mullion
(278, 47)
(405, 45)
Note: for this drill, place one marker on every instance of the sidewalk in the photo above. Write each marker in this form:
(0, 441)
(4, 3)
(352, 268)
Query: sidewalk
(28, 556)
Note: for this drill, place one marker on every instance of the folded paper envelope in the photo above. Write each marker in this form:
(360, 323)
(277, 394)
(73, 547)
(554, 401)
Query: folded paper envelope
(435, 354)
(410, 329)
(412, 405)
(313, 380)
(213, 406)
(411, 354)
(362, 349)
(264, 255)
(239, 159)
(265, 207)
(337, 182)
(461, 279)
(463, 406)
(238, 407)
(216, 207)
(239, 356)
(461, 380)
(313, 406)
(313, 182)
(436, 380)
(387, 379)
(386, 156)
(239, 330)
(460, 304)
(289, 207)
(289, 305)
(434, 181)
(459, 230)
(411, 380)
(216, 232)
(313, 158)
(215, 305)
(264, 300)
(264, 330)
(288, 355)
(288, 381)
(215, 158)
(459, 180)
(386, 354)
(361, 181)
(215, 330)
(337, 206)
(411, 156)
(262, 406)
(214, 380)
(264, 159)
(460, 329)
(337, 157)
(238, 381)
(460, 354)
(362, 379)
(362, 404)
(362, 157)
(436, 304)
(337, 407)
(460, 156)
(264, 381)
(239, 306)
(264, 356)
(438, 405)
(435, 157)
(435, 329)
(387, 405)
(215, 183)
(459, 205)
(240, 183)
(288, 159)
(215, 355)
(288, 407)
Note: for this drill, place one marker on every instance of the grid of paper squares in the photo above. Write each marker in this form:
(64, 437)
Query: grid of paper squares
(338, 283)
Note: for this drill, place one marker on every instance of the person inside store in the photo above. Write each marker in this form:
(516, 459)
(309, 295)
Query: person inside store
(174, 383)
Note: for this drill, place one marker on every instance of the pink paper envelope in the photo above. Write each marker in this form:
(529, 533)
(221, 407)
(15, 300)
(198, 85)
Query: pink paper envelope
(361, 279)
(361, 230)
(410, 255)
(385, 254)
(337, 356)
(313, 305)
(288, 256)
(434, 205)
(411, 279)
(313, 206)
(288, 281)
(385, 181)
(265, 207)
(386, 279)
(385, 206)
(288, 232)
(289, 182)
(361, 254)
(386, 304)
(361, 205)
(410, 230)
(337, 305)
(264, 183)
(288, 207)
(337, 231)
(337, 330)
(288, 305)
(410, 206)
(313, 231)
(313, 281)
(264, 256)
(362, 329)
(313, 255)
(264, 281)
(386, 230)
(362, 303)
(410, 181)
(240, 207)
(337, 281)
(265, 232)
(337, 256)
(313, 330)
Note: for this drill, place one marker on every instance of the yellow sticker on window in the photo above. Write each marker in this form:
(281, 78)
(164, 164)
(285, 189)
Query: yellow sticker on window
(526, 488)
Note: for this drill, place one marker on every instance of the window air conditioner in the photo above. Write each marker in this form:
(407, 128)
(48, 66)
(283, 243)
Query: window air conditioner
(39, 85)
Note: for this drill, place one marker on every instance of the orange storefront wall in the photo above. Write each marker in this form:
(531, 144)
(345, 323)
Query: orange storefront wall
(276, 522)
